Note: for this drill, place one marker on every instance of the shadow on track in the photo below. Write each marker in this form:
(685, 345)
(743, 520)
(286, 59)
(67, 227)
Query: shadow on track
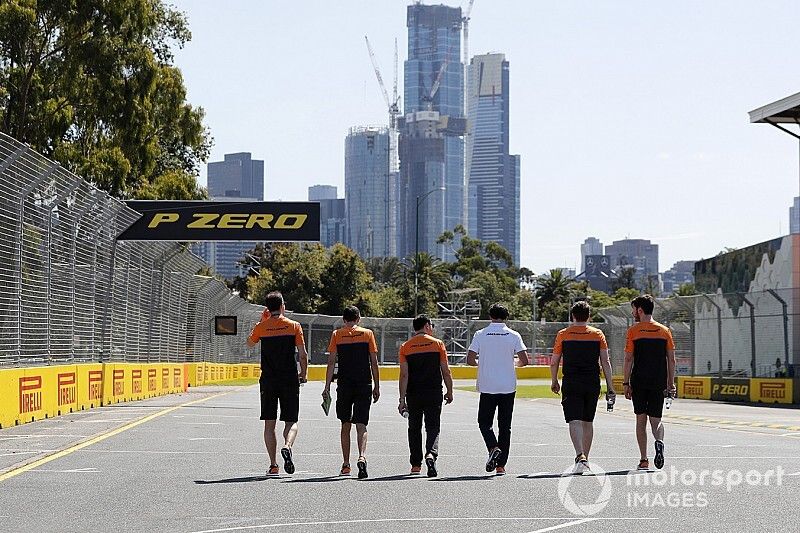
(588, 474)
(247, 479)
(464, 478)
(324, 479)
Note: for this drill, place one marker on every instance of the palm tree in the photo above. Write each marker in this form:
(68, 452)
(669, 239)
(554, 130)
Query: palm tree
(554, 287)
(433, 281)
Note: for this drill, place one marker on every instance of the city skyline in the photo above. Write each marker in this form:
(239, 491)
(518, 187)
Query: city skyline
(581, 88)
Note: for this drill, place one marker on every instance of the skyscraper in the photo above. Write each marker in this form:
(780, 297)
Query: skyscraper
(638, 253)
(794, 216)
(591, 246)
(370, 193)
(331, 214)
(492, 173)
(238, 177)
(432, 129)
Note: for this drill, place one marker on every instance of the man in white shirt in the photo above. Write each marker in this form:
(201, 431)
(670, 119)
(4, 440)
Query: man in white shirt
(501, 350)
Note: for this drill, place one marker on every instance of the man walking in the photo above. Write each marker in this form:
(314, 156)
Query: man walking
(496, 350)
(357, 352)
(649, 373)
(423, 366)
(280, 381)
(583, 350)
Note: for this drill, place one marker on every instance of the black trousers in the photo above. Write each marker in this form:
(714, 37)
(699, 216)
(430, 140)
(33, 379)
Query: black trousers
(429, 407)
(504, 404)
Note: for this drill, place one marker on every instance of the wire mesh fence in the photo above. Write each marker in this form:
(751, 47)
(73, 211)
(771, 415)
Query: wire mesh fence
(69, 292)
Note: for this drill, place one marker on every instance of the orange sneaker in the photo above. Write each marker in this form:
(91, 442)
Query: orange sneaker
(273, 470)
(500, 471)
(345, 470)
(416, 470)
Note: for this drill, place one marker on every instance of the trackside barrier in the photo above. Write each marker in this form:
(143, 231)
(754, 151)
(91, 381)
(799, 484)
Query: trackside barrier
(756, 390)
(33, 393)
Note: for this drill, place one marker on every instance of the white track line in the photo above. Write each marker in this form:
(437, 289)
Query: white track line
(431, 519)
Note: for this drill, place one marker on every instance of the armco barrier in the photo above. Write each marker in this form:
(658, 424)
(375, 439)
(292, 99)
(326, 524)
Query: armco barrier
(34, 393)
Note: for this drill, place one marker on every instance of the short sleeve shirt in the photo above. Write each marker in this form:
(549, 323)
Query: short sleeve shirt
(649, 343)
(579, 347)
(496, 346)
(353, 346)
(279, 337)
(424, 356)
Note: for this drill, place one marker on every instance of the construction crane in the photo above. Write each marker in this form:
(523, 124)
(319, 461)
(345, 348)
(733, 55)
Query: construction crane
(465, 21)
(394, 104)
(435, 87)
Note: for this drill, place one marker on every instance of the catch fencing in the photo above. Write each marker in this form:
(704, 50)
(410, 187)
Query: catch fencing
(70, 292)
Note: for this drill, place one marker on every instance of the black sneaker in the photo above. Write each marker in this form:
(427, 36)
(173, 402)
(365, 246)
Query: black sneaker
(659, 459)
(431, 463)
(288, 465)
(362, 468)
(491, 463)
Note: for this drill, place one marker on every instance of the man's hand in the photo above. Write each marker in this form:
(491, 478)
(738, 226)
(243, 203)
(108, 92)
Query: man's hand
(672, 390)
(611, 395)
(376, 393)
(448, 397)
(402, 407)
(628, 392)
(555, 387)
(326, 393)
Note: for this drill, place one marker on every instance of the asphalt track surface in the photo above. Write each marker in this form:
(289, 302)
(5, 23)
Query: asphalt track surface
(163, 465)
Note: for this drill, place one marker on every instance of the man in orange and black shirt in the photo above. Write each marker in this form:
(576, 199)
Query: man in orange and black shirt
(358, 383)
(583, 350)
(423, 366)
(649, 374)
(280, 381)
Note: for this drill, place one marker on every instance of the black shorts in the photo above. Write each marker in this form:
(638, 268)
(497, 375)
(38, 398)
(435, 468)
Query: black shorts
(649, 401)
(353, 402)
(287, 394)
(579, 401)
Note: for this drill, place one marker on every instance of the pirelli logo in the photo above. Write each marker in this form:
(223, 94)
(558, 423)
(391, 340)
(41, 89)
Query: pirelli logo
(235, 372)
(136, 381)
(67, 388)
(152, 380)
(118, 382)
(772, 391)
(246, 372)
(176, 378)
(30, 394)
(95, 385)
(168, 220)
(165, 378)
(693, 387)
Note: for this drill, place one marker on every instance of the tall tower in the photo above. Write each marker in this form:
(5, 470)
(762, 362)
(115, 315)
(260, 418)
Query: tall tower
(434, 47)
(369, 191)
(492, 172)
(238, 177)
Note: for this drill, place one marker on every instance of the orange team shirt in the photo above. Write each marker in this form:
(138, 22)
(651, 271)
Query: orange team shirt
(424, 356)
(353, 347)
(649, 343)
(279, 337)
(580, 348)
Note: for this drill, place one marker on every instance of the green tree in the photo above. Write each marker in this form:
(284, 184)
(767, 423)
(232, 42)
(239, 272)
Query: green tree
(626, 278)
(92, 85)
(434, 281)
(173, 185)
(553, 287)
(687, 289)
(344, 280)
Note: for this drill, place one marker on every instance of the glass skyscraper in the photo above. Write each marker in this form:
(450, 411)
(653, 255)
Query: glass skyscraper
(370, 193)
(434, 36)
(493, 174)
(794, 216)
(238, 177)
(331, 214)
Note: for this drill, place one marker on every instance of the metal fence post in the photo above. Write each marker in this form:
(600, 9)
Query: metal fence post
(719, 330)
(785, 326)
(752, 335)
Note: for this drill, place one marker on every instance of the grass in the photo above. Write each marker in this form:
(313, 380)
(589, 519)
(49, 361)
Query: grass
(533, 391)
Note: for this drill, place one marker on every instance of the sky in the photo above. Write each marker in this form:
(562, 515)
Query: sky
(630, 117)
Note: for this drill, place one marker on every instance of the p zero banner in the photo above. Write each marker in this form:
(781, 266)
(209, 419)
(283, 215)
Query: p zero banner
(730, 389)
(168, 220)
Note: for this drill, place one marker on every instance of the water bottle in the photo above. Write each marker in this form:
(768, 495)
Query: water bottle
(668, 399)
(609, 403)
(405, 413)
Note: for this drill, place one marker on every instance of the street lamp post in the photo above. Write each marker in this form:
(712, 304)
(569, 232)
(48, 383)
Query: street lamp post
(420, 199)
